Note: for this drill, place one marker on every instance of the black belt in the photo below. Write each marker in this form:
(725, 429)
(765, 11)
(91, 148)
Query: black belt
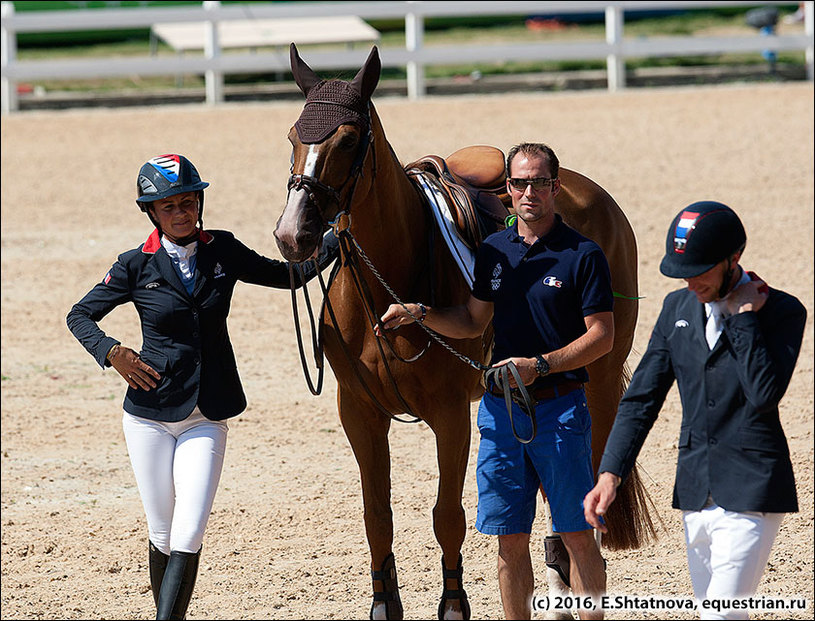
(542, 393)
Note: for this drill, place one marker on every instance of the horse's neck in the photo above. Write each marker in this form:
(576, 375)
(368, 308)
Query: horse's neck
(388, 213)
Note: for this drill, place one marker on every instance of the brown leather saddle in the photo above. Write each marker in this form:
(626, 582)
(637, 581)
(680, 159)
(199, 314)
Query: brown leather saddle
(473, 181)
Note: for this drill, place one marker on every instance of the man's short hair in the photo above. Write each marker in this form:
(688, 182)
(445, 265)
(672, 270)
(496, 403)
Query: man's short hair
(535, 149)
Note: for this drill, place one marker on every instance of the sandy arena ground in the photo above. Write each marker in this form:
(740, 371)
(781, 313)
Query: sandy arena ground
(286, 538)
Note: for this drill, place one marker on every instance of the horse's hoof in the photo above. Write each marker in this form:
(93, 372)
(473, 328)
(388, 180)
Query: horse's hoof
(446, 609)
(386, 610)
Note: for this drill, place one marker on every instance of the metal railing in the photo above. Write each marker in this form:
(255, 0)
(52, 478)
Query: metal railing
(214, 64)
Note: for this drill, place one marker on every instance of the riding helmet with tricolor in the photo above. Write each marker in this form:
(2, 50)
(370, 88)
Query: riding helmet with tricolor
(167, 175)
(701, 235)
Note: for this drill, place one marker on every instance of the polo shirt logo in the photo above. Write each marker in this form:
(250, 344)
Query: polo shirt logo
(552, 281)
(496, 277)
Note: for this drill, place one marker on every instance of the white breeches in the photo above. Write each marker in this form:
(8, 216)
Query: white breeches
(177, 468)
(727, 554)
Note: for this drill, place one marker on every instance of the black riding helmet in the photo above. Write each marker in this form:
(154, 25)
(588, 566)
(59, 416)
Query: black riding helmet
(701, 236)
(168, 175)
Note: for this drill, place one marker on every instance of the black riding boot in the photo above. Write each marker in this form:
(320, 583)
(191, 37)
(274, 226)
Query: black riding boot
(158, 563)
(177, 586)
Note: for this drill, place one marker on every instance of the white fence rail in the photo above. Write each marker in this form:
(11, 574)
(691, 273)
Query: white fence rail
(214, 65)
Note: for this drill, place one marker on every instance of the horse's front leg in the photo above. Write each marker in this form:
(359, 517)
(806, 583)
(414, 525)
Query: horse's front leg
(367, 431)
(452, 428)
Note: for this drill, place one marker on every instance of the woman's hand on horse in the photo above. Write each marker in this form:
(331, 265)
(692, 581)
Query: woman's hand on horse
(396, 316)
(133, 369)
(526, 369)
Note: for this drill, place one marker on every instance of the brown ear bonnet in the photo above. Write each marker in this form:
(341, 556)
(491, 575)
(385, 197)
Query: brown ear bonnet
(331, 103)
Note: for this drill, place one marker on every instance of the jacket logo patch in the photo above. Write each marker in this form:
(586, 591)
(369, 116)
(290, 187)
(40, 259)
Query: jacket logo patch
(681, 323)
(218, 270)
(552, 281)
(151, 285)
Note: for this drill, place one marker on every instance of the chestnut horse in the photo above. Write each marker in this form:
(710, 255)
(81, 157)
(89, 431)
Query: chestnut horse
(345, 175)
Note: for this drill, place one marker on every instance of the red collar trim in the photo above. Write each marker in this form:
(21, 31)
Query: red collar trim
(153, 242)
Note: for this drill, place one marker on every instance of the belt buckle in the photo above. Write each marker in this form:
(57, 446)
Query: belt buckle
(515, 394)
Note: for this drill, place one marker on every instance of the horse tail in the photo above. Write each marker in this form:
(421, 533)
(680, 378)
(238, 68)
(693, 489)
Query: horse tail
(631, 517)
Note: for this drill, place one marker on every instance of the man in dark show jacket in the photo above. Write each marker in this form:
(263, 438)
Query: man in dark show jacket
(731, 343)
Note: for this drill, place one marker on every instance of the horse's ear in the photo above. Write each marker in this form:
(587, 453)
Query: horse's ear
(304, 75)
(368, 77)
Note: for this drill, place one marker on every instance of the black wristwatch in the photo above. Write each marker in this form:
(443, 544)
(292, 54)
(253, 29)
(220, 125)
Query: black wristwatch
(541, 366)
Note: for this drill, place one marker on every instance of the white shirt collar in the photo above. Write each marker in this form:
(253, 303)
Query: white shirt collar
(722, 303)
(179, 252)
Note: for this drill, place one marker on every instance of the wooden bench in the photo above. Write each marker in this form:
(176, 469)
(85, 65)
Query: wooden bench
(255, 33)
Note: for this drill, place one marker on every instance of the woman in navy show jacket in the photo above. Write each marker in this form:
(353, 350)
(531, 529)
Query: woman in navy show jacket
(731, 343)
(184, 383)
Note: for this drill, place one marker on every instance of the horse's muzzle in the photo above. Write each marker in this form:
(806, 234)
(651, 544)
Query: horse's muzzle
(297, 250)
(299, 230)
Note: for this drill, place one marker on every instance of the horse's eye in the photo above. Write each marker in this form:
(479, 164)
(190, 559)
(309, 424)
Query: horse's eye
(348, 142)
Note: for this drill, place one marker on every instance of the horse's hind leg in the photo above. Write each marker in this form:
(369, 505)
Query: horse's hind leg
(367, 431)
(557, 566)
(452, 447)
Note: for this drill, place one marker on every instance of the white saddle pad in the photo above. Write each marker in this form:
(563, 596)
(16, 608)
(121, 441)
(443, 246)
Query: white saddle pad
(463, 254)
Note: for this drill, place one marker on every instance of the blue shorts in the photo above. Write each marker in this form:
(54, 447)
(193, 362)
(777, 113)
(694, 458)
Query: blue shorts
(510, 473)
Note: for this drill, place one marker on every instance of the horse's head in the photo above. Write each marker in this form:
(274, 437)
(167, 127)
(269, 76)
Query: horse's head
(329, 142)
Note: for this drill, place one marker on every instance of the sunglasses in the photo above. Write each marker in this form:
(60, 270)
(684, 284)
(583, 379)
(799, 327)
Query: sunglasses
(538, 183)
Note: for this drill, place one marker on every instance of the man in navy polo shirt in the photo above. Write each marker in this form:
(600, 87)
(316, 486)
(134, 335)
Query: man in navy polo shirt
(547, 290)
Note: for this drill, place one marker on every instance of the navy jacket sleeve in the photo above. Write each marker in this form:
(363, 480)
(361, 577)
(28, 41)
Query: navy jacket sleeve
(260, 270)
(641, 402)
(103, 298)
(766, 357)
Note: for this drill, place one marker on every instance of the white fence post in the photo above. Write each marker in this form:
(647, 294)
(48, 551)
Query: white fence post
(414, 35)
(9, 55)
(809, 29)
(213, 78)
(615, 61)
